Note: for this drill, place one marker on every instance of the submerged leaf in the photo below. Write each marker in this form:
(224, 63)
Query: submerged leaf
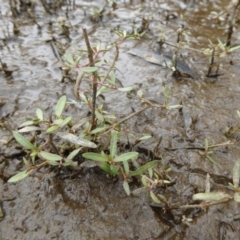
(29, 129)
(236, 173)
(212, 196)
(76, 140)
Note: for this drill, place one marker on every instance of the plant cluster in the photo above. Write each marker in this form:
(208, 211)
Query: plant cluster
(62, 140)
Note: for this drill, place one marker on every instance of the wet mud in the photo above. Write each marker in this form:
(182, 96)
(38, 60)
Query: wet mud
(57, 204)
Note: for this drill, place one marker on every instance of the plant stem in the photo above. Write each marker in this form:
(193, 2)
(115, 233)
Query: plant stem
(211, 63)
(94, 74)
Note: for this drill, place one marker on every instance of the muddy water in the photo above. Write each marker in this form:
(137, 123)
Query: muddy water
(51, 204)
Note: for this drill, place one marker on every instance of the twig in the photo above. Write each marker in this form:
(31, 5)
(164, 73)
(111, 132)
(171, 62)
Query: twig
(94, 74)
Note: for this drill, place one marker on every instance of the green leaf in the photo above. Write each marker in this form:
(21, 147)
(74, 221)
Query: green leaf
(58, 121)
(19, 176)
(27, 123)
(126, 167)
(65, 121)
(52, 129)
(113, 143)
(39, 114)
(98, 130)
(236, 173)
(145, 137)
(99, 116)
(206, 144)
(174, 107)
(23, 141)
(126, 89)
(154, 198)
(234, 48)
(114, 170)
(237, 197)
(214, 196)
(60, 106)
(211, 160)
(144, 181)
(238, 113)
(29, 129)
(126, 187)
(26, 162)
(73, 154)
(126, 156)
(105, 167)
(69, 58)
(89, 69)
(76, 140)
(144, 168)
(96, 157)
(166, 93)
(50, 156)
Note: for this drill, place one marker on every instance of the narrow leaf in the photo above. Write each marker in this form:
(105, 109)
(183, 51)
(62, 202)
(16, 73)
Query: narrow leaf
(50, 156)
(144, 168)
(145, 137)
(73, 154)
(65, 121)
(29, 129)
(69, 58)
(126, 89)
(154, 198)
(126, 156)
(26, 162)
(126, 167)
(236, 197)
(58, 121)
(98, 130)
(96, 157)
(52, 129)
(76, 140)
(236, 173)
(23, 141)
(39, 114)
(206, 144)
(89, 69)
(105, 167)
(212, 196)
(144, 181)
(27, 123)
(19, 176)
(238, 113)
(174, 107)
(113, 143)
(60, 106)
(126, 187)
